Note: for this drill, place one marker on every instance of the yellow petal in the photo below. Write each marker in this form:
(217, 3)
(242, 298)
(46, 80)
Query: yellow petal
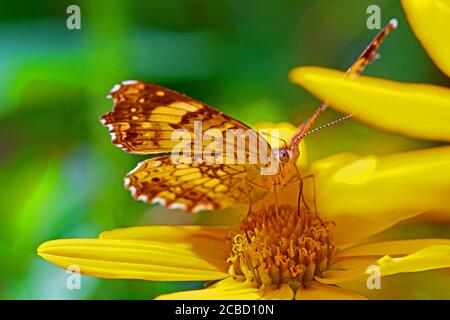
(392, 248)
(232, 289)
(367, 195)
(357, 268)
(435, 257)
(349, 269)
(207, 243)
(416, 110)
(318, 291)
(136, 259)
(430, 21)
(177, 234)
(227, 289)
(231, 283)
(283, 293)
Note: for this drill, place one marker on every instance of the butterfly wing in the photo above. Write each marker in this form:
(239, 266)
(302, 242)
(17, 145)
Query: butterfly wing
(146, 115)
(194, 187)
(143, 121)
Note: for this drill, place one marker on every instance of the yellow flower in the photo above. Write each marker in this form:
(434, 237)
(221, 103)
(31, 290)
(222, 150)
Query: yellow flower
(297, 255)
(292, 255)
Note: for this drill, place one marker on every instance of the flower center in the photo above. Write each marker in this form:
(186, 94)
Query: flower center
(291, 247)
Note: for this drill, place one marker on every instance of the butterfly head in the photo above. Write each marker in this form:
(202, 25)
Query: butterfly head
(283, 159)
(284, 155)
(287, 153)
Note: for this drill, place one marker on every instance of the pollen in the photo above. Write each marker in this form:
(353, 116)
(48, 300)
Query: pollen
(291, 247)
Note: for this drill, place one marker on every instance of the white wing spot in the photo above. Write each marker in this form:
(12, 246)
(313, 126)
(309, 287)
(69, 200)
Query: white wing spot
(202, 207)
(133, 190)
(115, 88)
(161, 201)
(177, 205)
(143, 197)
(128, 82)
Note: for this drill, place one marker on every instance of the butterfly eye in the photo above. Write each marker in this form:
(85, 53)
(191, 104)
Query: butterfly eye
(286, 155)
(283, 154)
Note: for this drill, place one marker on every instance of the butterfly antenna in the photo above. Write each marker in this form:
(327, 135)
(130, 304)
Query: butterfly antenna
(327, 125)
(366, 57)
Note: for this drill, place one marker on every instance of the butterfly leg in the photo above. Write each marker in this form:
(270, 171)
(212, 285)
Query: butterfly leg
(316, 211)
(314, 194)
(299, 179)
(250, 202)
(300, 189)
(276, 198)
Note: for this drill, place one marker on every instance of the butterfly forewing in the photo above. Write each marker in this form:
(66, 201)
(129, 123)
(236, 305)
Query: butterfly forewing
(146, 115)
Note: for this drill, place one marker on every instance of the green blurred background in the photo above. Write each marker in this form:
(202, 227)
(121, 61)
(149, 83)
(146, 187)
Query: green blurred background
(60, 175)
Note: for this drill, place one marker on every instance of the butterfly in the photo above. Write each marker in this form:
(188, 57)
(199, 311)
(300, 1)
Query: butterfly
(145, 117)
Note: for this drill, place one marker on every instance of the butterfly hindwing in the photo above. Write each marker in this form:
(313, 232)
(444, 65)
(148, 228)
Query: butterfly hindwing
(193, 187)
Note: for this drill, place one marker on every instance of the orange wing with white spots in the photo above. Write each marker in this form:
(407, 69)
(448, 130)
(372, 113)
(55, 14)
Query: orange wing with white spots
(193, 187)
(145, 116)
(143, 121)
